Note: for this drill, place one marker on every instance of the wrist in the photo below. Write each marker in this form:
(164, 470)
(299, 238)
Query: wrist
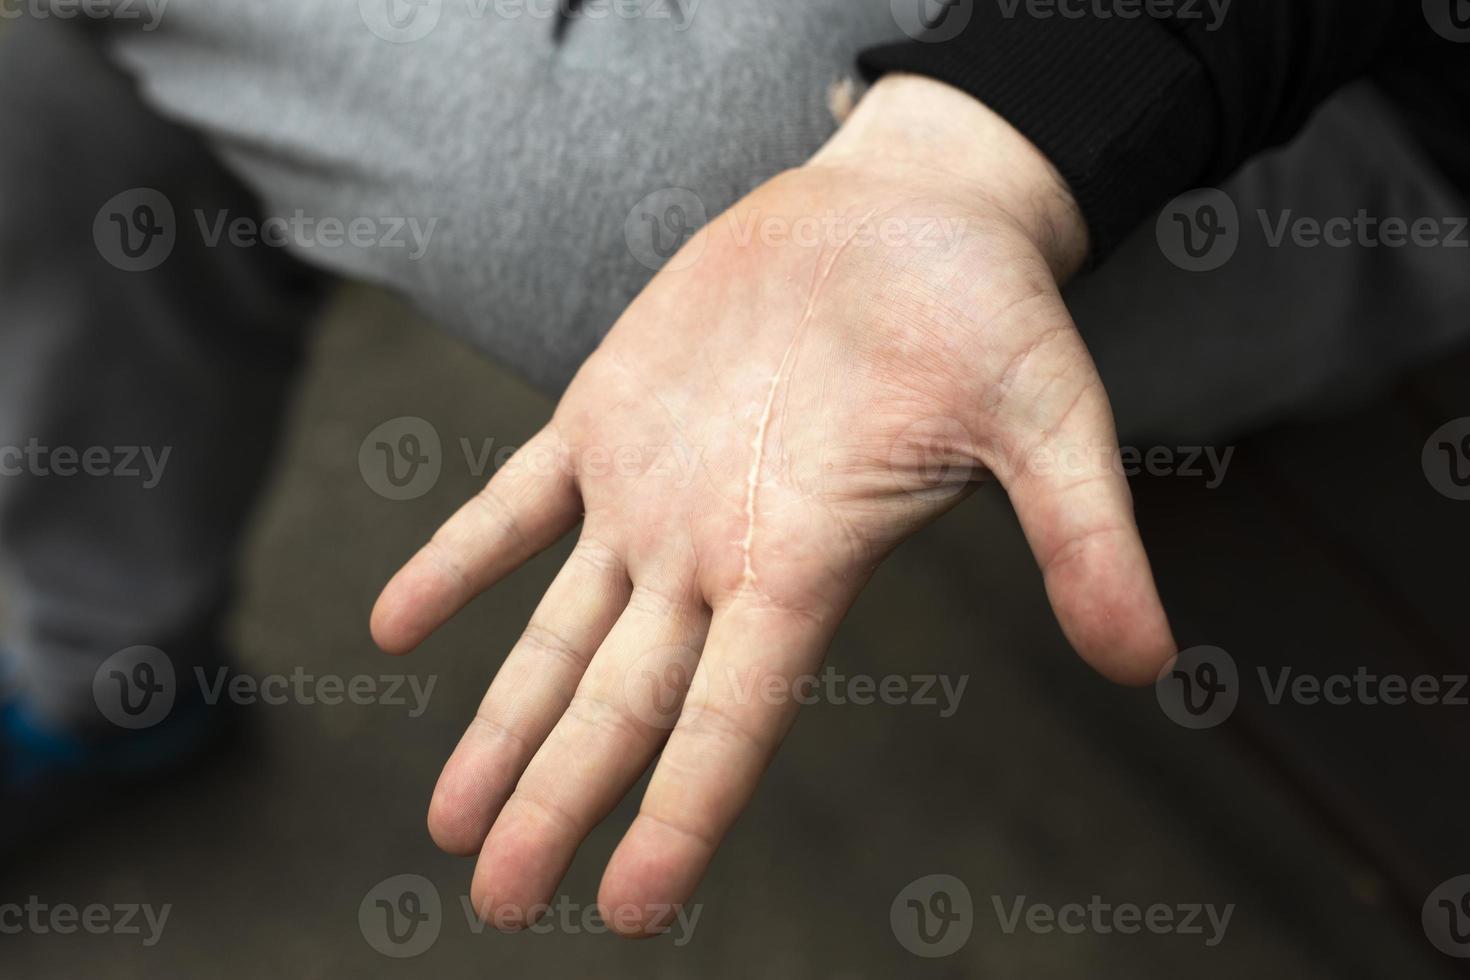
(909, 122)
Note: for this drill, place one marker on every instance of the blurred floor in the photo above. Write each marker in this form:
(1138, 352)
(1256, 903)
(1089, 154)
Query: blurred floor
(1046, 783)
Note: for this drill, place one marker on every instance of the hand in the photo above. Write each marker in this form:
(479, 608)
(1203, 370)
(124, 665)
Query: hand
(776, 411)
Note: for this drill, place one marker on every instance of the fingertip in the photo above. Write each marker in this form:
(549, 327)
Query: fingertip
(477, 779)
(454, 826)
(410, 607)
(500, 915)
(385, 626)
(651, 876)
(1131, 655)
(501, 912)
(524, 858)
(1109, 609)
(388, 631)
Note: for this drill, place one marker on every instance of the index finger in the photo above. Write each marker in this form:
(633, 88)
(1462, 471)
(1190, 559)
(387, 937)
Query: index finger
(528, 504)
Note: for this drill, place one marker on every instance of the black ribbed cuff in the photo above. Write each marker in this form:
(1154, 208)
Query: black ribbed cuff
(1122, 108)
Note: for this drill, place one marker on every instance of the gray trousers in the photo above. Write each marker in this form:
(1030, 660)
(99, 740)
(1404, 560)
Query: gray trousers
(545, 182)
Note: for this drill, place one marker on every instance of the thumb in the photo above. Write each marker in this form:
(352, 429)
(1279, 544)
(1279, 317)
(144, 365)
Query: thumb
(1065, 481)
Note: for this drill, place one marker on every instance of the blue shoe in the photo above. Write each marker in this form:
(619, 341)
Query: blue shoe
(47, 773)
(34, 755)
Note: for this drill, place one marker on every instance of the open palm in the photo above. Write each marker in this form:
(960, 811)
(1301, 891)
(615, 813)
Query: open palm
(777, 411)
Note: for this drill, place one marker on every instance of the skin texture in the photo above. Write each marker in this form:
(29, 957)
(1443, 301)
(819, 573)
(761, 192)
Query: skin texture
(839, 386)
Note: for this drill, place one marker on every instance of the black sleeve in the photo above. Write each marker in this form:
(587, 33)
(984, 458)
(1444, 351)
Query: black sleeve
(1133, 110)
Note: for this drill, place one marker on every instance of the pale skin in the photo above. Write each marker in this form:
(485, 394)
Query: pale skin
(839, 391)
